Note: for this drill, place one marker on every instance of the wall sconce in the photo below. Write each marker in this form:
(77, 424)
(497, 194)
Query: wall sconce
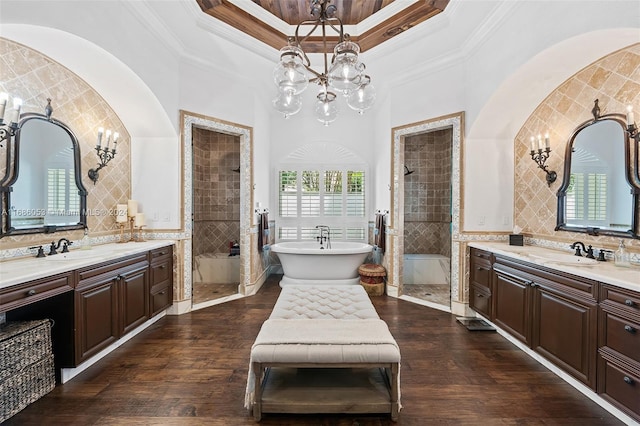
(540, 156)
(8, 131)
(632, 128)
(632, 131)
(104, 154)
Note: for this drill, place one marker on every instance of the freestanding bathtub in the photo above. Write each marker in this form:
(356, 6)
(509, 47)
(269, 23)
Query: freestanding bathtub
(306, 263)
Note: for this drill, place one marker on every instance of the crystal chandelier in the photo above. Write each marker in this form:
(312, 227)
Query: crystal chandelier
(344, 75)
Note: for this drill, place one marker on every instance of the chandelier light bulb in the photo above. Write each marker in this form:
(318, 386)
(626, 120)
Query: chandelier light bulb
(345, 71)
(290, 73)
(362, 98)
(326, 107)
(287, 103)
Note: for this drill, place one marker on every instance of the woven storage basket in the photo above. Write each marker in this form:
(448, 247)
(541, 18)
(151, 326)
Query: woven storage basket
(372, 278)
(23, 343)
(26, 365)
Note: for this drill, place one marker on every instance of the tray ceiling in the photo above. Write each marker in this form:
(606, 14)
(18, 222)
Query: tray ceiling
(370, 22)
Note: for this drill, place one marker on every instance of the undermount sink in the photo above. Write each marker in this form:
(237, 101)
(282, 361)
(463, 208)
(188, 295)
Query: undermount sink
(75, 255)
(565, 259)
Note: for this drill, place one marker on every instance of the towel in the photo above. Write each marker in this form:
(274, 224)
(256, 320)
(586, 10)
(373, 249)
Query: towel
(263, 230)
(318, 332)
(379, 232)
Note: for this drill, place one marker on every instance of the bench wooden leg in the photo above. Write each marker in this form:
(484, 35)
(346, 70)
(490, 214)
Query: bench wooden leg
(258, 370)
(395, 404)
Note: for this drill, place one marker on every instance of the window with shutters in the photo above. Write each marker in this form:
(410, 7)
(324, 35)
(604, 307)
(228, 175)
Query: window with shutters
(334, 196)
(63, 198)
(587, 199)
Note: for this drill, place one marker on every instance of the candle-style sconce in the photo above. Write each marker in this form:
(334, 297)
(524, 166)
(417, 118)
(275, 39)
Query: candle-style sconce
(540, 156)
(104, 153)
(634, 134)
(8, 130)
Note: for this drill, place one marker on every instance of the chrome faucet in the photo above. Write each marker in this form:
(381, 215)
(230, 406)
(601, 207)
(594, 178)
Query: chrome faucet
(588, 251)
(325, 235)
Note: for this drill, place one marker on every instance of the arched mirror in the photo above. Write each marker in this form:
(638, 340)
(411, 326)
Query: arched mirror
(42, 190)
(599, 195)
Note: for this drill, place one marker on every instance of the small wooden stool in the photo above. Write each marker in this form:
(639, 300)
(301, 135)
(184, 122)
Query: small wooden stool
(372, 278)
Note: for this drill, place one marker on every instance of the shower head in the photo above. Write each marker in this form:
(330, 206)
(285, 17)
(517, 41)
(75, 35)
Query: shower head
(236, 170)
(407, 171)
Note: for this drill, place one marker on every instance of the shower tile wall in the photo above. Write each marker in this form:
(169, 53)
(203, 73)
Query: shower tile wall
(216, 191)
(427, 193)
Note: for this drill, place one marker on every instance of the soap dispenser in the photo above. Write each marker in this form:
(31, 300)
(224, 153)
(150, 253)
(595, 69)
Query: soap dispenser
(85, 244)
(621, 256)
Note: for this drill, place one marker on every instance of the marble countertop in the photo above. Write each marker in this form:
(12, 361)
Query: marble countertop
(18, 271)
(605, 272)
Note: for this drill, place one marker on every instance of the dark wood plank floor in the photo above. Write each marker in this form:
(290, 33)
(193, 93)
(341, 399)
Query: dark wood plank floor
(192, 370)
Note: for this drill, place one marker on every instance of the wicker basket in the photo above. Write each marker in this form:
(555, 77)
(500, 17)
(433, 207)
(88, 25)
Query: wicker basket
(26, 365)
(372, 278)
(23, 343)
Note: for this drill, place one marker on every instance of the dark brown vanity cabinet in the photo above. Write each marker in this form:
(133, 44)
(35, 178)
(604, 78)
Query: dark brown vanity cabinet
(512, 301)
(553, 313)
(161, 279)
(480, 282)
(619, 348)
(112, 298)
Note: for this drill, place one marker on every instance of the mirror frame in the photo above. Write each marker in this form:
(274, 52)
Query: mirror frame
(631, 181)
(12, 173)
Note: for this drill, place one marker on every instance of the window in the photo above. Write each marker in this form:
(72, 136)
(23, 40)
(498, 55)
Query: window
(334, 197)
(587, 199)
(63, 198)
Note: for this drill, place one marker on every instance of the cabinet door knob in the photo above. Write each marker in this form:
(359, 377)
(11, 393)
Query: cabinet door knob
(162, 253)
(628, 380)
(31, 292)
(161, 266)
(162, 292)
(629, 302)
(629, 329)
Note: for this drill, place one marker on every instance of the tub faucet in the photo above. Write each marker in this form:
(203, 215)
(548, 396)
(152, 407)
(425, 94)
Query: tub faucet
(325, 235)
(588, 251)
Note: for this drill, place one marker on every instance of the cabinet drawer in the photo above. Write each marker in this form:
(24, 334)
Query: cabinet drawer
(621, 298)
(480, 273)
(161, 299)
(160, 253)
(480, 299)
(622, 335)
(33, 291)
(622, 386)
(160, 272)
(480, 254)
(111, 266)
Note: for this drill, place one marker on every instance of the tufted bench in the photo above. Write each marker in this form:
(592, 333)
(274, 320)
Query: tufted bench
(324, 349)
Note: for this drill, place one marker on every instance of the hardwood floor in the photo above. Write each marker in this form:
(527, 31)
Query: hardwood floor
(192, 370)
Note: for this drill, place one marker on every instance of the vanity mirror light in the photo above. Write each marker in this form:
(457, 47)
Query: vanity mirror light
(599, 194)
(42, 189)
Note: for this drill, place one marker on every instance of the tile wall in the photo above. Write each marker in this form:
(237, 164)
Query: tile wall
(216, 191)
(427, 193)
(34, 77)
(615, 81)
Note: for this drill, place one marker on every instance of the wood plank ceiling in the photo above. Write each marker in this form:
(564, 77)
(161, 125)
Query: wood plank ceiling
(351, 12)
